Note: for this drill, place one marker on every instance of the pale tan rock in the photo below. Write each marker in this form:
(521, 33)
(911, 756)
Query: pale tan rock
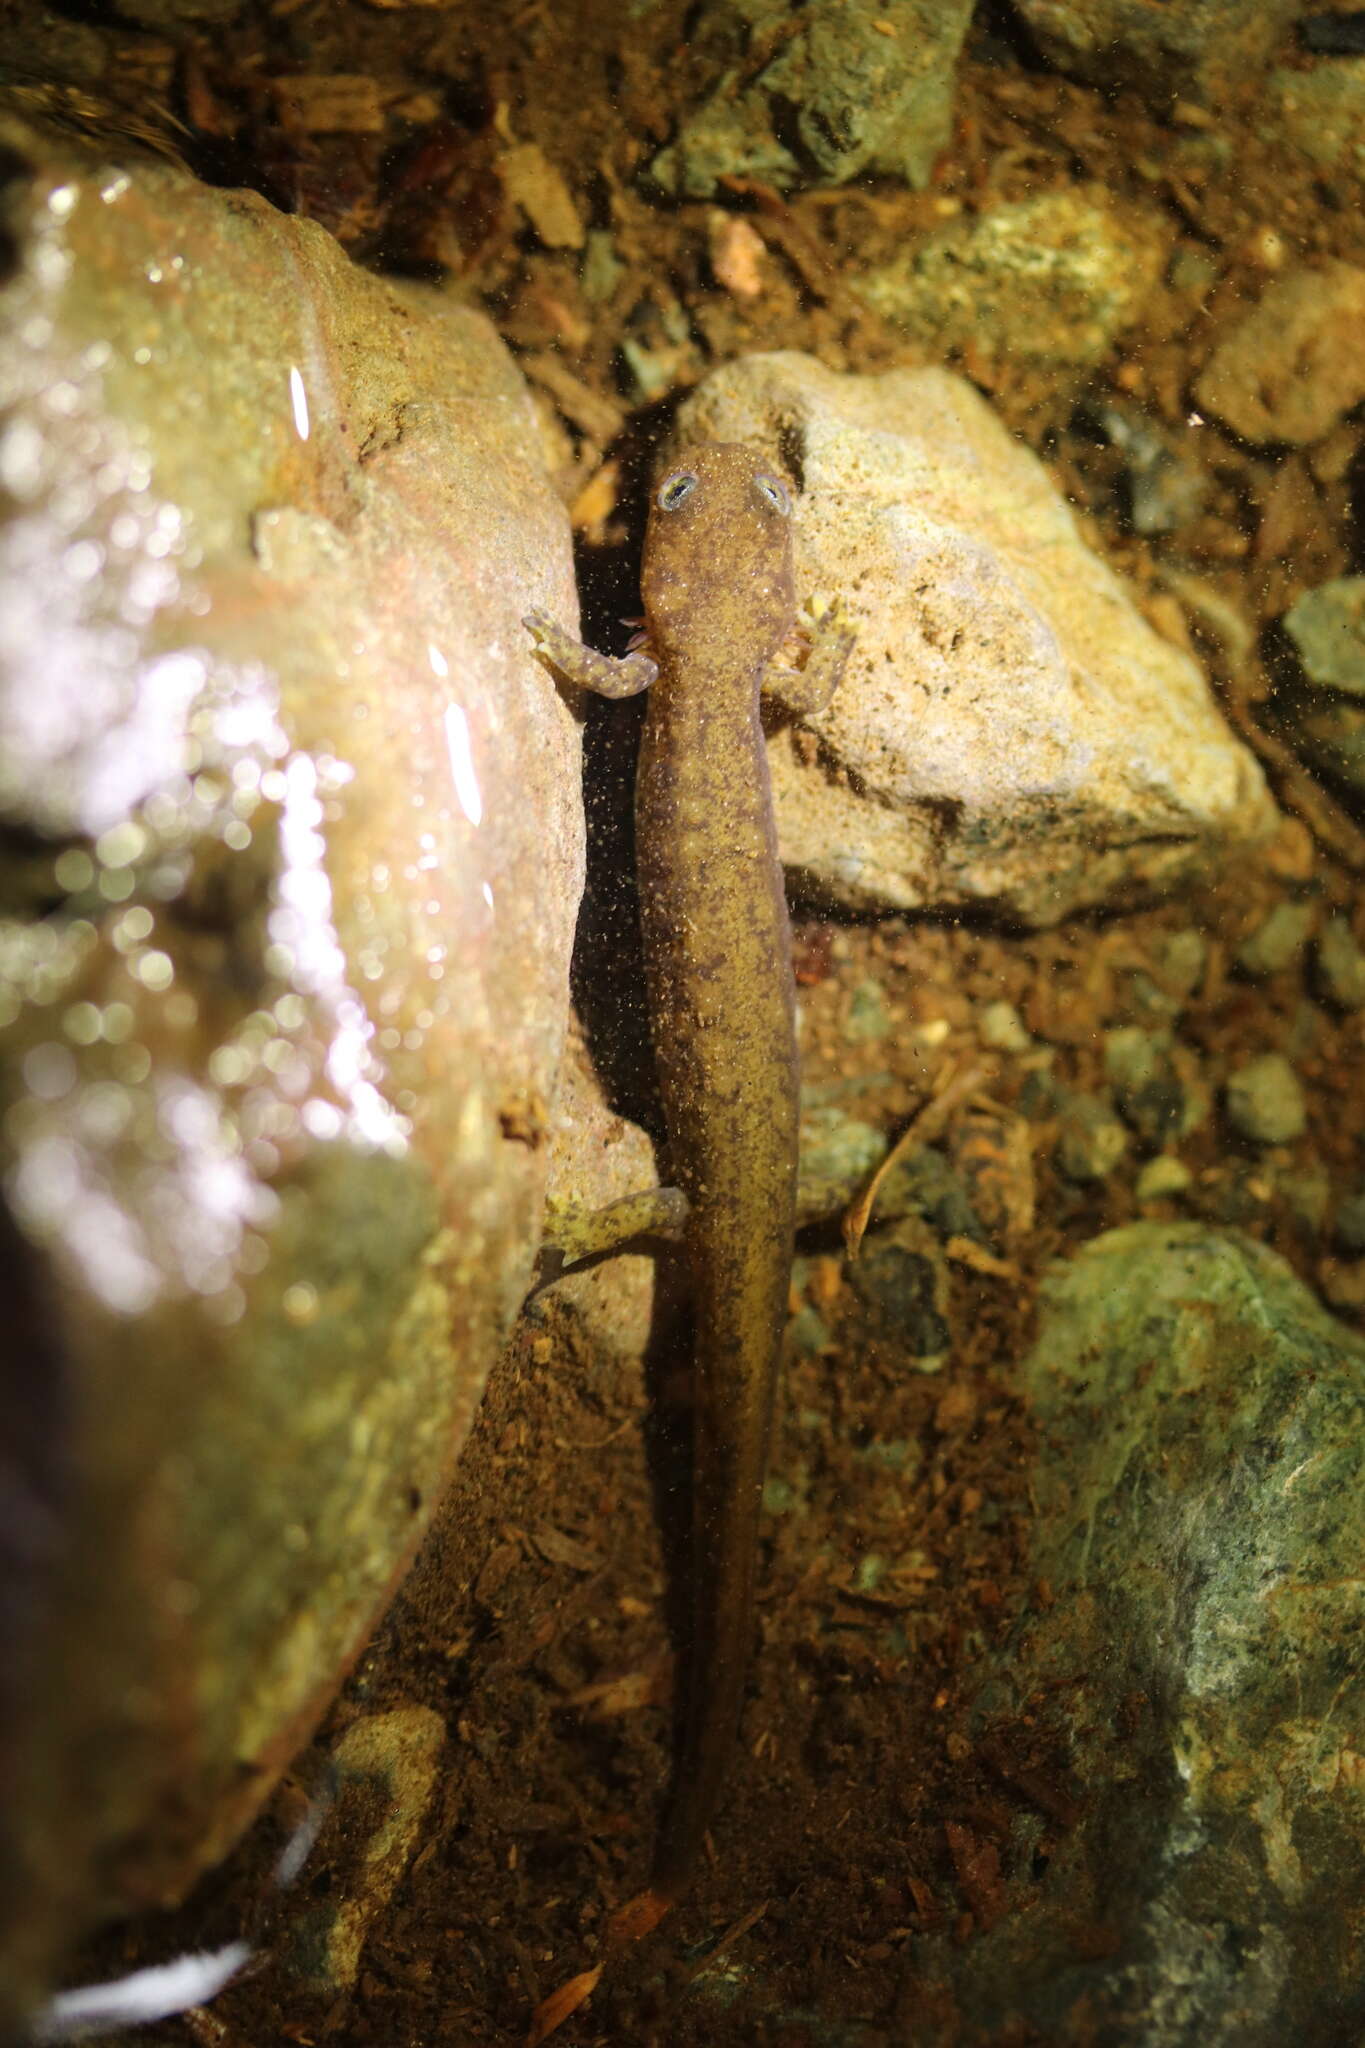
(1010, 731)
(283, 1020)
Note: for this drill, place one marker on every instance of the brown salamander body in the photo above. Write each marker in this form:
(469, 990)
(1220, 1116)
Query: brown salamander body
(719, 603)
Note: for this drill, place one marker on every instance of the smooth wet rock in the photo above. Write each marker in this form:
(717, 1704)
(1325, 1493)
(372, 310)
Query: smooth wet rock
(1010, 732)
(1047, 280)
(853, 87)
(1190, 1676)
(1291, 367)
(297, 849)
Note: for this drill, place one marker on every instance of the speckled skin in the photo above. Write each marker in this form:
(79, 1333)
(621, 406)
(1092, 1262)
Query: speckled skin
(719, 602)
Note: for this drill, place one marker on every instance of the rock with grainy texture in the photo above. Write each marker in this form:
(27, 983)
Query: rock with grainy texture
(1204, 50)
(1048, 280)
(395, 1756)
(851, 88)
(294, 854)
(1291, 367)
(1010, 731)
(1320, 111)
(1185, 1692)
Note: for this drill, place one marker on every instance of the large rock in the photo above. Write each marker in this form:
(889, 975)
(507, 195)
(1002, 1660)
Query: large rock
(851, 87)
(1190, 1675)
(1205, 50)
(294, 833)
(1010, 731)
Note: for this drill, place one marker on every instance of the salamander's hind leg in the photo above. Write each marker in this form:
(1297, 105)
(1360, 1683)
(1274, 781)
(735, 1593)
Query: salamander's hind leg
(805, 690)
(604, 674)
(573, 1232)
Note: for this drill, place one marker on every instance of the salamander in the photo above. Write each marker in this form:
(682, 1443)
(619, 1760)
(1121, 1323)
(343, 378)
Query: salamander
(719, 604)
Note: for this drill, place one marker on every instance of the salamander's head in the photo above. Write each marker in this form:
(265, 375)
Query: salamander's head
(717, 575)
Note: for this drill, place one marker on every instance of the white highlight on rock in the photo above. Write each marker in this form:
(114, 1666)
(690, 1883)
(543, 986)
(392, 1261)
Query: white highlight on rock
(461, 754)
(298, 399)
(301, 926)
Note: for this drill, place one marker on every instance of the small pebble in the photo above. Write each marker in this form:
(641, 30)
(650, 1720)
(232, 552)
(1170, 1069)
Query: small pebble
(1277, 941)
(736, 254)
(838, 1148)
(1040, 1096)
(1343, 1285)
(1183, 959)
(1349, 1228)
(1149, 999)
(902, 1282)
(602, 268)
(1090, 1140)
(868, 1016)
(1162, 1179)
(1306, 1196)
(1265, 1101)
(1002, 1028)
(924, 1184)
(1138, 1065)
(540, 189)
(1340, 965)
(1327, 627)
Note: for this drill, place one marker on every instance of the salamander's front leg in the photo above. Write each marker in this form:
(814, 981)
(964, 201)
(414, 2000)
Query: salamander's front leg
(804, 691)
(605, 674)
(572, 1232)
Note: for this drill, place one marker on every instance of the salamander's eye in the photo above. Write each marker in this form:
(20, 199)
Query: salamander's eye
(775, 491)
(674, 489)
